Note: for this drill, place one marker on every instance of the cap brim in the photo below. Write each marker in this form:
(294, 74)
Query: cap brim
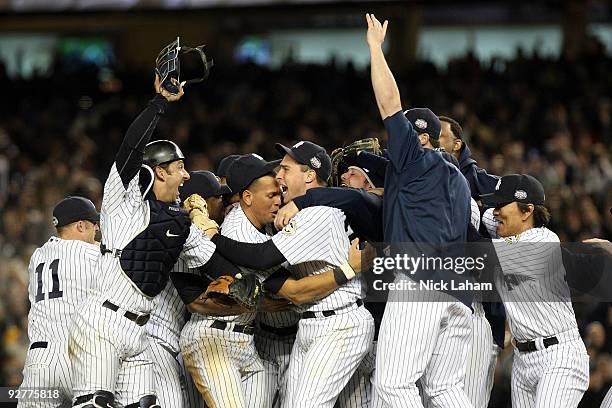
(493, 199)
(283, 150)
(224, 189)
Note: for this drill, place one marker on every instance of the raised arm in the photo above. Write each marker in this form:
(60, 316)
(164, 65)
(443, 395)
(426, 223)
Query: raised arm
(131, 151)
(385, 88)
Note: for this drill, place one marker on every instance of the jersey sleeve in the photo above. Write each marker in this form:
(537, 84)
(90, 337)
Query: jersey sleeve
(116, 195)
(403, 144)
(489, 222)
(198, 249)
(314, 234)
(475, 214)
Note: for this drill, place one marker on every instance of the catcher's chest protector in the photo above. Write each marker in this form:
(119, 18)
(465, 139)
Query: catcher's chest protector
(149, 257)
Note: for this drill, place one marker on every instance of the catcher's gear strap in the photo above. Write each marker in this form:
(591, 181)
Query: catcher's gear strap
(261, 256)
(218, 266)
(131, 151)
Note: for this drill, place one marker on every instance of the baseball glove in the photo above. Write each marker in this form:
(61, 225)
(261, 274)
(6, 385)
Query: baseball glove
(243, 289)
(198, 212)
(342, 156)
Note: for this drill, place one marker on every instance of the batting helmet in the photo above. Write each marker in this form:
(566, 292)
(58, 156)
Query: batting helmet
(161, 152)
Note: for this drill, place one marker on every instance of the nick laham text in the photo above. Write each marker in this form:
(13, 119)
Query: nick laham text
(445, 286)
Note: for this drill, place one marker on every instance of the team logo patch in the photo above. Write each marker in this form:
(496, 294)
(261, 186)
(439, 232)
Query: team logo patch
(290, 228)
(498, 184)
(520, 195)
(55, 221)
(315, 162)
(420, 123)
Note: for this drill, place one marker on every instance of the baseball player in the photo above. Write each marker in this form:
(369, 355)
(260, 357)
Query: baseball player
(550, 366)
(174, 385)
(423, 335)
(239, 368)
(319, 369)
(62, 275)
(144, 235)
(452, 140)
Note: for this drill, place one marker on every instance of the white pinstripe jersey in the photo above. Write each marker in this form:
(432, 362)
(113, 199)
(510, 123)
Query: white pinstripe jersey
(532, 282)
(169, 314)
(474, 214)
(124, 215)
(319, 233)
(62, 275)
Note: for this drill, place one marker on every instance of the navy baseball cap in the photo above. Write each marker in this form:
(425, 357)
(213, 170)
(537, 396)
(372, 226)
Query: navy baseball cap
(521, 188)
(204, 183)
(225, 164)
(248, 168)
(424, 121)
(74, 208)
(311, 155)
(372, 166)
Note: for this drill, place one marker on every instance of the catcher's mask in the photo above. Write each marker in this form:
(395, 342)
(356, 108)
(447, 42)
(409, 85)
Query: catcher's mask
(340, 157)
(168, 65)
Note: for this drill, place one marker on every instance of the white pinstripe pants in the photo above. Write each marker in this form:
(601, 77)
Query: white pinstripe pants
(326, 354)
(275, 352)
(168, 376)
(48, 369)
(220, 361)
(554, 377)
(423, 335)
(358, 391)
(109, 352)
(481, 361)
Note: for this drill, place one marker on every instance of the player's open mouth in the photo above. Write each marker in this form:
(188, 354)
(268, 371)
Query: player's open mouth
(284, 189)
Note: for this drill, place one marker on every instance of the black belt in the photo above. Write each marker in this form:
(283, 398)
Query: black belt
(279, 331)
(140, 320)
(327, 313)
(39, 344)
(530, 346)
(238, 328)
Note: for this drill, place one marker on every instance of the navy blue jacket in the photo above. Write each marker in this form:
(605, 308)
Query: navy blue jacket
(426, 198)
(363, 210)
(479, 180)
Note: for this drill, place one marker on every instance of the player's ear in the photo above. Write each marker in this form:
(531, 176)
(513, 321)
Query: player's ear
(424, 138)
(457, 145)
(160, 173)
(247, 197)
(310, 176)
(525, 215)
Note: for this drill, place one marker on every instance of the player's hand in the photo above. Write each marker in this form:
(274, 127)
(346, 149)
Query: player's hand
(169, 97)
(285, 214)
(376, 31)
(361, 259)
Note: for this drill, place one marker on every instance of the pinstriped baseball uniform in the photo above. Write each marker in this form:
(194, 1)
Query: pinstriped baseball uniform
(62, 274)
(536, 297)
(482, 356)
(173, 383)
(109, 351)
(225, 365)
(274, 348)
(327, 350)
(607, 402)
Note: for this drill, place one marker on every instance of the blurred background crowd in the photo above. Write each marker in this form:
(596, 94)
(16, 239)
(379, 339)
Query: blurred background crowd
(549, 116)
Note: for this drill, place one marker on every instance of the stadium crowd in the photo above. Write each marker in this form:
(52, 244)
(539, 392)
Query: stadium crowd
(551, 118)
